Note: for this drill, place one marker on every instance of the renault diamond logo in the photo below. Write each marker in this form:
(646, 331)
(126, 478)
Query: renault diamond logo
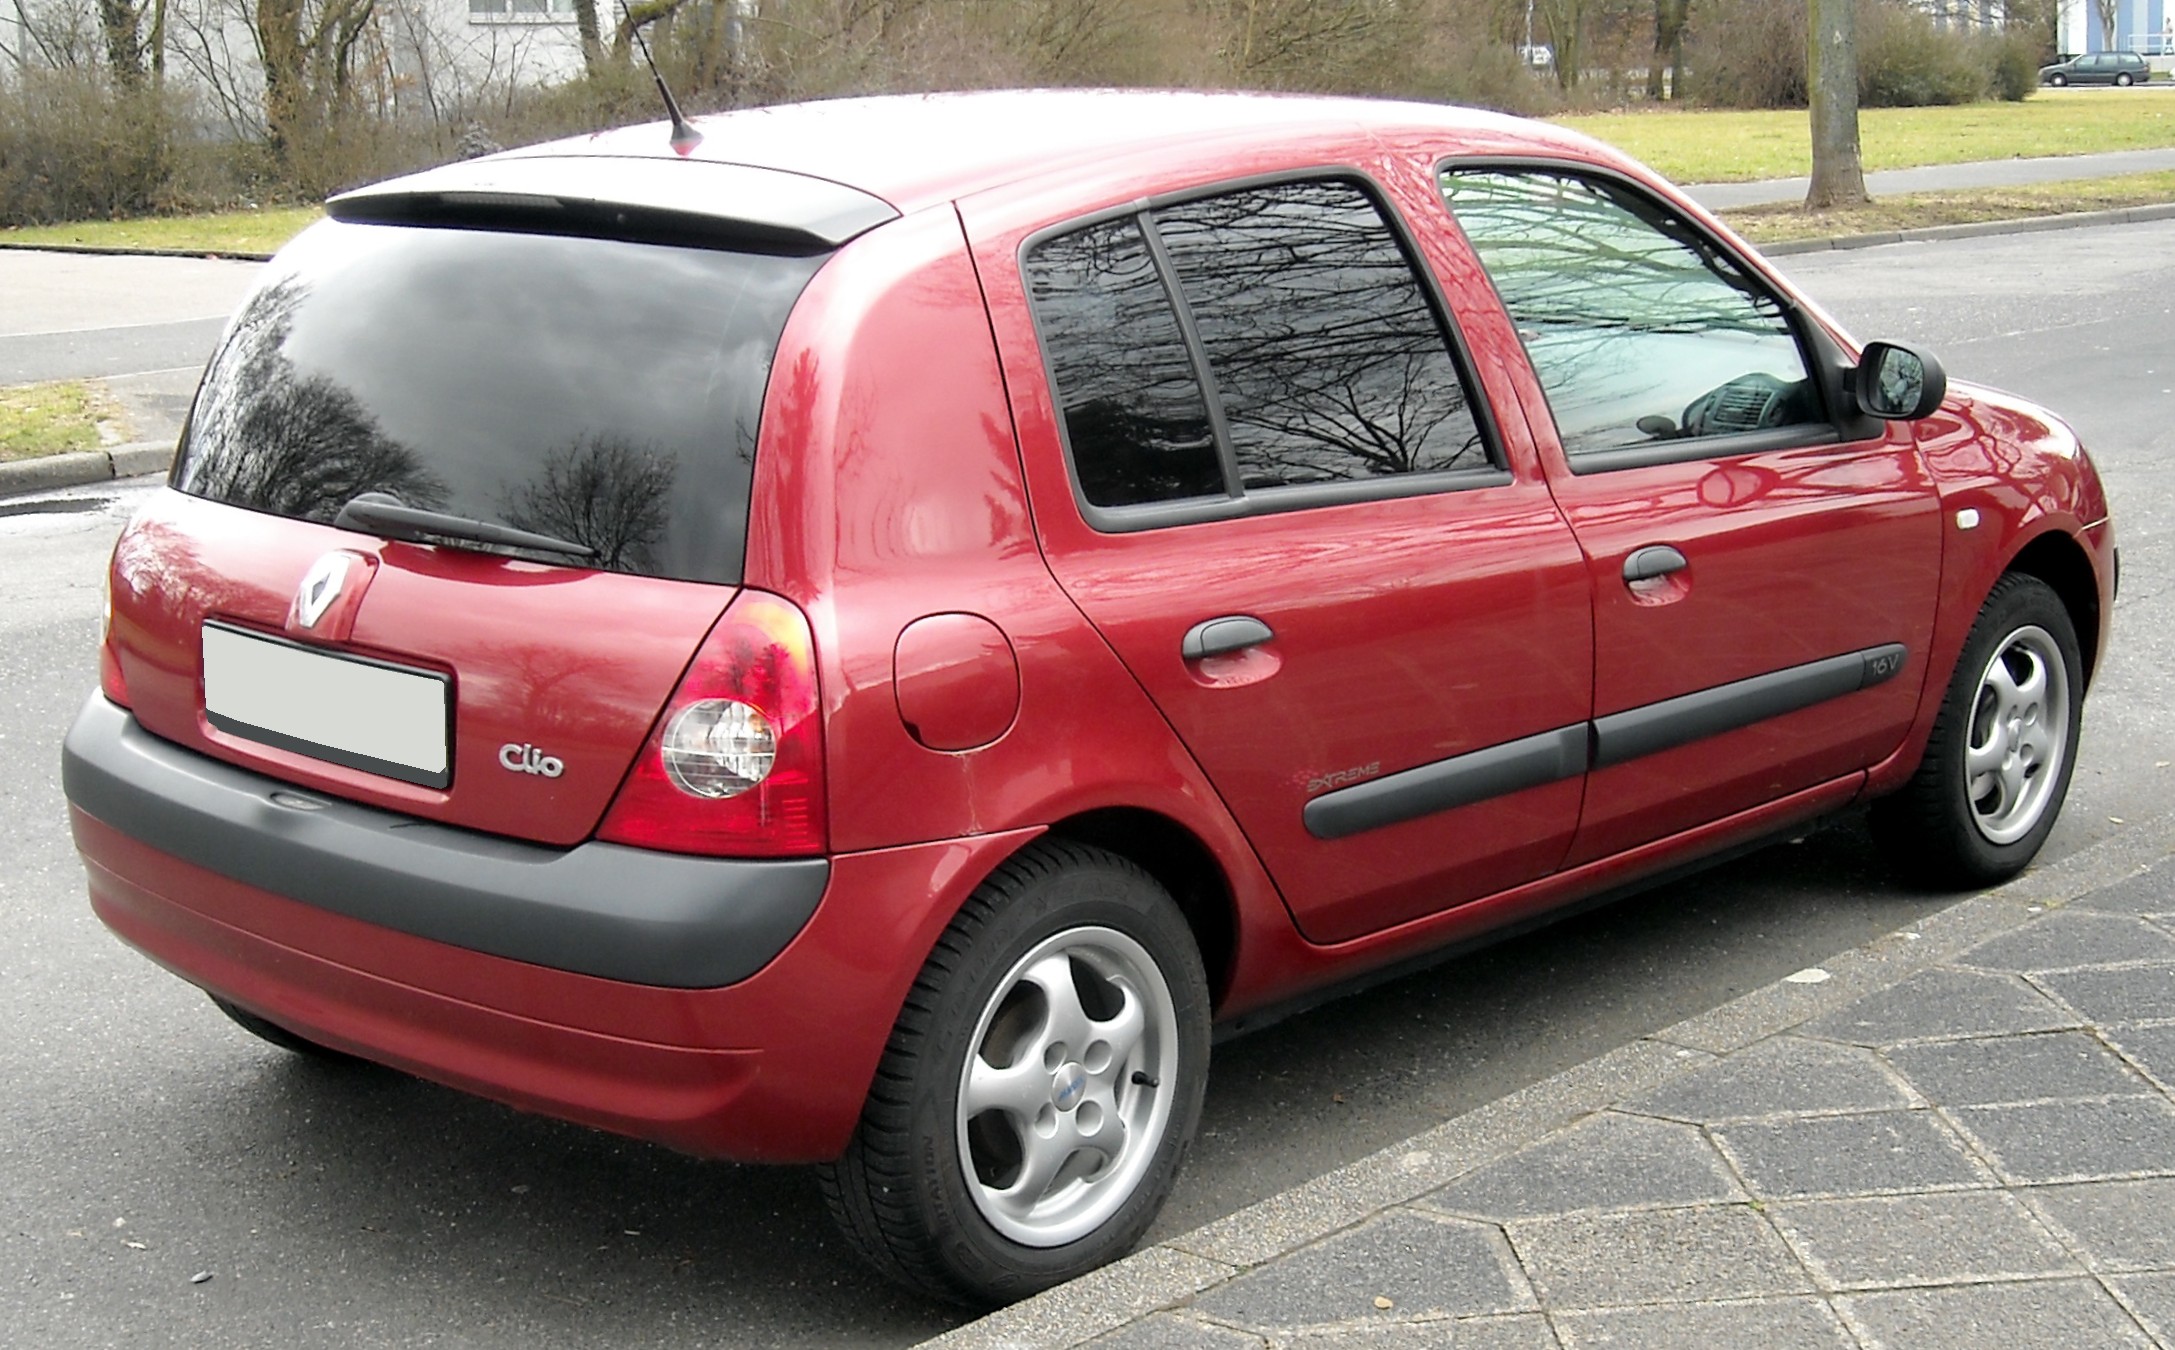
(327, 577)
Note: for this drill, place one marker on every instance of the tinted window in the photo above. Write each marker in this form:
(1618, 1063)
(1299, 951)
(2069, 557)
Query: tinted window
(1325, 362)
(1328, 359)
(1639, 330)
(599, 391)
(1134, 413)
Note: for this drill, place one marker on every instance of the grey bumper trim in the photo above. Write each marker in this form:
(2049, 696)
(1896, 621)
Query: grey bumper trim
(596, 909)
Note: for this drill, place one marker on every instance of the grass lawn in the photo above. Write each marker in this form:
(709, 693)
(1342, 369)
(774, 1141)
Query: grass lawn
(221, 232)
(1774, 224)
(47, 419)
(1702, 146)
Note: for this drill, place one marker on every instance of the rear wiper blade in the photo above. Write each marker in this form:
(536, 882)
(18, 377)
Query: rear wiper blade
(383, 513)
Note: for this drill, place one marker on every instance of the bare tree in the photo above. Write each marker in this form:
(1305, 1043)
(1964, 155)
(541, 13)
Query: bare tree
(2109, 13)
(1670, 17)
(308, 52)
(1831, 82)
(1565, 21)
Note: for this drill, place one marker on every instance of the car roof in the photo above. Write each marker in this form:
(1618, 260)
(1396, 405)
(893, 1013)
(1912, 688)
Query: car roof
(917, 150)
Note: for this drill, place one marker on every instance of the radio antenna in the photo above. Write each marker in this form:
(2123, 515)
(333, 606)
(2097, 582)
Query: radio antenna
(684, 137)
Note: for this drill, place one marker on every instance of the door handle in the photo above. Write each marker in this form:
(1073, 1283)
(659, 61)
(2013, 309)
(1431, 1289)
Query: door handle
(1655, 560)
(1214, 637)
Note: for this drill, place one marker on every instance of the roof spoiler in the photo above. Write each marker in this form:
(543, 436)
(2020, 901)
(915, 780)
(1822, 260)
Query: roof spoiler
(696, 203)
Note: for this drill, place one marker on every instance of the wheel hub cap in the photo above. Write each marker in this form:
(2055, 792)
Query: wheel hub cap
(2019, 737)
(1061, 1107)
(1067, 1086)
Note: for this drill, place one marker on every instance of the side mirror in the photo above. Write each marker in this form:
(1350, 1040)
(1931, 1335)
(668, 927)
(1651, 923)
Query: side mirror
(1896, 382)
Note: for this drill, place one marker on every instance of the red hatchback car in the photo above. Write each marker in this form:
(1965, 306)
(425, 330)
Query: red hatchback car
(860, 644)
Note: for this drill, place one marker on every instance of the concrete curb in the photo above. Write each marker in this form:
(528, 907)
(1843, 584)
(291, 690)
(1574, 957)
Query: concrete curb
(78, 468)
(2074, 220)
(123, 251)
(1176, 1269)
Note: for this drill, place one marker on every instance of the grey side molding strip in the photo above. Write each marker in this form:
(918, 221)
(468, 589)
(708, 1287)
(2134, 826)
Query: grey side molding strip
(1710, 712)
(1458, 781)
(1565, 752)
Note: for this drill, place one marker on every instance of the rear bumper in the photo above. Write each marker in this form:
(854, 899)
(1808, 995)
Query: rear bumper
(771, 1068)
(595, 909)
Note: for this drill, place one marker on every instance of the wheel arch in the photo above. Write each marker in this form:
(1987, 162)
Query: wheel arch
(1183, 865)
(2061, 562)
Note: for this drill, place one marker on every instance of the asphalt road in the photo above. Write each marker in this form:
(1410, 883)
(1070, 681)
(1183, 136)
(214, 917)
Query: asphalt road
(146, 1142)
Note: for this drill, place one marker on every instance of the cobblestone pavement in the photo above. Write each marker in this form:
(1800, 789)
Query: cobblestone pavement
(1961, 1135)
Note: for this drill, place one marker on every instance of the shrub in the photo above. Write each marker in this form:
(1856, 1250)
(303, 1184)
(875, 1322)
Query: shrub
(1746, 53)
(1904, 62)
(1751, 54)
(2013, 59)
(74, 147)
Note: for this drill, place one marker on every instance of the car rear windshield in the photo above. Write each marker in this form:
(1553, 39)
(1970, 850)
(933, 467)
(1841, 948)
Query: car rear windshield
(593, 390)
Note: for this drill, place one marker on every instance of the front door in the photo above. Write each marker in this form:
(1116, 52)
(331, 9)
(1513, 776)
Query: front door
(1764, 570)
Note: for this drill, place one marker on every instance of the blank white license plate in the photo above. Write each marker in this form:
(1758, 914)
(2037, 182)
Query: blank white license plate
(365, 714)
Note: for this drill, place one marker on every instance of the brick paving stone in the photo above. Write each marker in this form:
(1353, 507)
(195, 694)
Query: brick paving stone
(1850, 1155)
(1658, 1255)
(1523, 1331)
(1530, 1332)
(2056, 1314)
(1770, 1324)
(1944, 1238)
(1164, 1331)
(1782, 1075)
(2064, 939)
(2076, 1141)
(1420, 1263)
(2122, 1225)
(2153, 1297)
(2149, 892)
(2153, 1047)
(1607, 1161)
(2016, 1069)
(2133, 994)
(1941, 1003)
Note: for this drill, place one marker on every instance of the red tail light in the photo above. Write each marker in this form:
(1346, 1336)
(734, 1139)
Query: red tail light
(109, 660)
(735, 764)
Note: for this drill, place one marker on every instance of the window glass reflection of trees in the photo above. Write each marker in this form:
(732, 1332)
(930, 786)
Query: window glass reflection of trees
(1329, 361)
(612, 403)
(1133, 410)
(267, 436)
(1637, 331)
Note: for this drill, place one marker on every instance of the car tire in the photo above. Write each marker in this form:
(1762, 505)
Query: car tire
(2123, 80)
(2058, 81)
(1998, 762)
(278, 1035)
(980, 1185)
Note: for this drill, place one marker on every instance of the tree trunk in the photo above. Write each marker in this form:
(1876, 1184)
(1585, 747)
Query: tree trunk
(1831, 79)
(1669, 19)
(592, 36)
(286, 75)
(119, 21)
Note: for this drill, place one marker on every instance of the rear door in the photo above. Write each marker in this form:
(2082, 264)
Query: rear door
(1265, 475)
(1764, 571)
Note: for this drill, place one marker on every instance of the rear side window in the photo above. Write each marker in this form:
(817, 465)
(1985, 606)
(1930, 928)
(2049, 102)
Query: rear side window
(594, 390)
(1274, 337)
(1134, 410)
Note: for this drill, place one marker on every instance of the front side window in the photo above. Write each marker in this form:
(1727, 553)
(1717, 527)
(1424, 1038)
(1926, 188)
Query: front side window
(1640, 330)
(1268, 338)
